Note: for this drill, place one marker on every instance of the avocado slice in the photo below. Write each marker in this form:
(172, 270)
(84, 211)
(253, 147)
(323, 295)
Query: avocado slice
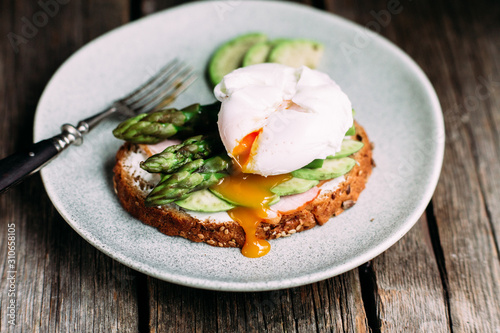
(332, 168)
(294, 186)
(317, 163)
(347, 148)
(229, 56)
(204, 201)
(351, 131)
(297, 52)
(258, 53)
(275, 199)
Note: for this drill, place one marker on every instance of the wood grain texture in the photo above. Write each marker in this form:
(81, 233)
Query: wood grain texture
(406, 291)
(63, 284)
(457, 46)
(150, 6)
(466, 217)
(409, 293)
(331, 305)
(444, 275)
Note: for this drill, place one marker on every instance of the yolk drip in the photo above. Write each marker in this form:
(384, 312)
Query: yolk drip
(243, 150)
(252, 193)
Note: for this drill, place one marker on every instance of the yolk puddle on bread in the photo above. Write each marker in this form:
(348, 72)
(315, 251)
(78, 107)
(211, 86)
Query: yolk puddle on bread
(253, 194)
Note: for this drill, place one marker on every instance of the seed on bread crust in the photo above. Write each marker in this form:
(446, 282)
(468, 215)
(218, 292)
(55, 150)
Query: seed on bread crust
(175, 222)
(348, 204)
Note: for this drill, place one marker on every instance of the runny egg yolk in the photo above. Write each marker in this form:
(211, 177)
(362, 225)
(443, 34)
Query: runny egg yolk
(252, 194)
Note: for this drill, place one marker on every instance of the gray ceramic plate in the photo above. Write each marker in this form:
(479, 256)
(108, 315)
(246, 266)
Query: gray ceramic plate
(393, 99)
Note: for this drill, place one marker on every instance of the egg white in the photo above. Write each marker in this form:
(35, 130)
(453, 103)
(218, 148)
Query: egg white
(302, 115)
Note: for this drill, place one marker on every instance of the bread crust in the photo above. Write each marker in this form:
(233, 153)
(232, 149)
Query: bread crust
(174, 221)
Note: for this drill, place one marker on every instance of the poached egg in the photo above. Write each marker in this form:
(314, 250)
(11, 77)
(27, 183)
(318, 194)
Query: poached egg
(274, 119)
(286, 116)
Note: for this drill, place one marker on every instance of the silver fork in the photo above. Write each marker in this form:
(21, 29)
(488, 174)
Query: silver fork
(157, 92)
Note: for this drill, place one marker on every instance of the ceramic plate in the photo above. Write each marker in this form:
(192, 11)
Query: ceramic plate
(394, 102)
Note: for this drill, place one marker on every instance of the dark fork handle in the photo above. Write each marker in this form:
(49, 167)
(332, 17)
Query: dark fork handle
(16, 167)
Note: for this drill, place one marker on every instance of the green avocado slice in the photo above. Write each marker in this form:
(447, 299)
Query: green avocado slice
(229, 56)
(297, 52)
(204, 201)
(259, 53)
(332, 168)
(294, 186)
(347, 148)
(274, 200)
(317, 163)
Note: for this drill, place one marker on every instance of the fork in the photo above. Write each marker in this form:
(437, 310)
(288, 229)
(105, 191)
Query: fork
(157, 92)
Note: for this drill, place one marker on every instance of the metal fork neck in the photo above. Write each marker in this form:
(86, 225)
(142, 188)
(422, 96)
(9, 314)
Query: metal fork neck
(74, 135)
(88, 124)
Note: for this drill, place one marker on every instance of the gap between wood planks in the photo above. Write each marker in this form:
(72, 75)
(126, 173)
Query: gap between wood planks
(143, 308)
(368, 281)
(439, 256)
(135, 9)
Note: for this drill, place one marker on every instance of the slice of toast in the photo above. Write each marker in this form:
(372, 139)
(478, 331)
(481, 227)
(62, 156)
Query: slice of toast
(132, 185)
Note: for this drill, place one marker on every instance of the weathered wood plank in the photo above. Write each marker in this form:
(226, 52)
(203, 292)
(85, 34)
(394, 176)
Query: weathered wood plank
(409, 292)
(482, 49)
(407, 289)
(448, 51)
(331, 305)
(62, 283)
(463, 202)
(404, 282)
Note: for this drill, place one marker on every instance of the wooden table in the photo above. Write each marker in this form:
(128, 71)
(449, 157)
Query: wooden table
(444, 275)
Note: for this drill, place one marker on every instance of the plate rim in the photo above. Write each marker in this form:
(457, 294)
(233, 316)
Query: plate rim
(223, 285)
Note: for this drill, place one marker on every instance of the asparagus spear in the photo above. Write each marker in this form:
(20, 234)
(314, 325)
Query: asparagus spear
(157, 126)
(193, 176)
(176, 156)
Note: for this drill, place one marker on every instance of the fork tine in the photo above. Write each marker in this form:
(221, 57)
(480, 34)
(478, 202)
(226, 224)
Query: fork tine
(162, 89)
(154, 89)
(176, 92)
(168, 96)
(144, 88)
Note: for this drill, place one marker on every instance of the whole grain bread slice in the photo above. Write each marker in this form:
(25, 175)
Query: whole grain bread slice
(133, 184)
